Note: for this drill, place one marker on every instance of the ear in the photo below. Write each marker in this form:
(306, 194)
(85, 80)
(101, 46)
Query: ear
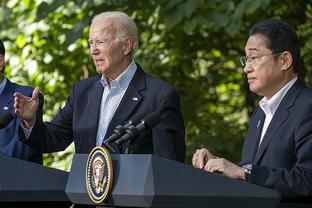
(286, 60)
(127, 46)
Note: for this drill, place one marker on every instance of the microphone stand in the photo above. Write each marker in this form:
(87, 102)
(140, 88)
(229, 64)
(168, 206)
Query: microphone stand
(113, 149)
(130, 147)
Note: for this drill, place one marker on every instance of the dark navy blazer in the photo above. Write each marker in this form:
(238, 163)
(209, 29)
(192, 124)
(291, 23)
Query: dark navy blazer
(283, 161)
(78, 120)
(10, 145)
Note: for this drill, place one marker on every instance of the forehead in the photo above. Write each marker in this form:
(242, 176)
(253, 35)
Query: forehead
(102, 27)
(256, 43)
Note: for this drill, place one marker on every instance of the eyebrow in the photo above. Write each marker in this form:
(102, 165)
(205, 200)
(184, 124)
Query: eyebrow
(253, 49)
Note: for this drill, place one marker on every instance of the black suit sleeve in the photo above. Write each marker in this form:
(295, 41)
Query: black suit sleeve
(55, 135)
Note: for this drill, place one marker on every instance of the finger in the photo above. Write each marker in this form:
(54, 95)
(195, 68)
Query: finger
(216, 169)
(18, 100)
(35, 93)
(200, 160)
(195, 160)
(208, 166)
(18, 96)
(211, 164)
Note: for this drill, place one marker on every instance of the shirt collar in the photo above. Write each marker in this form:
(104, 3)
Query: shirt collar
(270, 106)
(123, 80)
(2, 85)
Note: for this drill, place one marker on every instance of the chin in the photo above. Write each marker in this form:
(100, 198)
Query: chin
(101, 70)
(254, 90)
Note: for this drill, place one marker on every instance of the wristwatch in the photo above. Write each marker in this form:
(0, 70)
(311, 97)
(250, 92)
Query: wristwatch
(247, 171)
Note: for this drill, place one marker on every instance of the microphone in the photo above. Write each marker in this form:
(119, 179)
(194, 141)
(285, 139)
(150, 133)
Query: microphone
(5, 118)
(121, 130)
(147, 123)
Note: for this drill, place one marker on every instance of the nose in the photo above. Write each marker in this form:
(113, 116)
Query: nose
(248, 67)
(94, 49)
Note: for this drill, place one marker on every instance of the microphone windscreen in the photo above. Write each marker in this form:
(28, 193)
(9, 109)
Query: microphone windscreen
(5, 118)
(152, 119)
(137, 119)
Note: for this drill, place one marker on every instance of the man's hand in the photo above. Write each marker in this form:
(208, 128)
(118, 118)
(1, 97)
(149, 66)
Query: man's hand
(26, 107)
(225, 167)
(201, 157)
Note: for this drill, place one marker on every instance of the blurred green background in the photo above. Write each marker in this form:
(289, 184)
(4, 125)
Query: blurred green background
(194, 45)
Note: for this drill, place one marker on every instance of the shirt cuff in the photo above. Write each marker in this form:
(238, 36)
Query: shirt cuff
(27, 131)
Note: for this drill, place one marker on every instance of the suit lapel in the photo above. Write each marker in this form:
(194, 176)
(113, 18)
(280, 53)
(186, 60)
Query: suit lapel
(258, 126)
(129, 102)
(252, 139)
(93, 111)
(7, 99)
(280, 116)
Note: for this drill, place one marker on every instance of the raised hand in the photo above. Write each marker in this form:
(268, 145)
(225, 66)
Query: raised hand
(26, 107)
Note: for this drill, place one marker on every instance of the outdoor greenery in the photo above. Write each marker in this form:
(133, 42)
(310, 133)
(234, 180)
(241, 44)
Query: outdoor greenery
(194, 45)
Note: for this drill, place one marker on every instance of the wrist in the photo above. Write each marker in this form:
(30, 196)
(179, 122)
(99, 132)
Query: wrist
(247, 171)
(30, 123)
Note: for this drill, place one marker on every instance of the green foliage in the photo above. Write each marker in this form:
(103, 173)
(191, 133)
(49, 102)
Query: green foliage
(192, 44)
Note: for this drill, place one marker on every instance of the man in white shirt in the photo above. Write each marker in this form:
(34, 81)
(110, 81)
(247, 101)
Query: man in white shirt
(277, 151)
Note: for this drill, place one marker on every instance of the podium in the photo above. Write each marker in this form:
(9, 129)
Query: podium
(152, 181)
(29, 184)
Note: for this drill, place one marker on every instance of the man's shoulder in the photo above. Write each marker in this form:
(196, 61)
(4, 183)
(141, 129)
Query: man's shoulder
(87, 81)
(306, 94)
(143, 80)
(153, 81)
(25, 90)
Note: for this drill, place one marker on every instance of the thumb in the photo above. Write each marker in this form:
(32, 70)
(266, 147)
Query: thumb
(35, 93)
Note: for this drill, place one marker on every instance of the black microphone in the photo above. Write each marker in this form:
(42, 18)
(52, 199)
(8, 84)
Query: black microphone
(5, 118)
(121, 130)
(147, 123)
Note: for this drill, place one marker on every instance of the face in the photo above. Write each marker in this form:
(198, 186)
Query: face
(264, 72)
(109, 54)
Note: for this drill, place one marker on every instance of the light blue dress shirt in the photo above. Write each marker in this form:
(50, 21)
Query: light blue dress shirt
(2, 85)
(111, 98)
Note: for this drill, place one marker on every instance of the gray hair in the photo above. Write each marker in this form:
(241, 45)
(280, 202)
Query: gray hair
(125, 26)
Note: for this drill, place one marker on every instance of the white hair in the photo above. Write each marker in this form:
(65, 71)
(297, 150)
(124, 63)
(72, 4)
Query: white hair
(125, 26)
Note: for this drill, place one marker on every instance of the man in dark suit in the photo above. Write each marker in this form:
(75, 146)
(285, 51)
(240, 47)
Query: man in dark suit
(98, 104)
(10, 145)
(277, 152)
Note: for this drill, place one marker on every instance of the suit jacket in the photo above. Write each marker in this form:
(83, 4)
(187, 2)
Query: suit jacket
(10, 145)
(283, 160)
(78, 120)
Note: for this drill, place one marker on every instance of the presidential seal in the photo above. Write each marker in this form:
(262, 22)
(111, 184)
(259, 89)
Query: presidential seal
(99, 174)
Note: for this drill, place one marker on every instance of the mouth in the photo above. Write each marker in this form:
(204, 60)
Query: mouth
(98, 61)
(251, 79)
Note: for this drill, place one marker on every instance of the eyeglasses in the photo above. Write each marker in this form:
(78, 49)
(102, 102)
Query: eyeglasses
(98, 43)
(253, 59)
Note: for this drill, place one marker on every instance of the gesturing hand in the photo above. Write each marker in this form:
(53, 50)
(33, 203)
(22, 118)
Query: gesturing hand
(26, 107)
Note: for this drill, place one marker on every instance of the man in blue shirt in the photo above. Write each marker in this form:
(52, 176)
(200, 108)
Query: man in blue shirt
(98, 104)
(10, 145)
